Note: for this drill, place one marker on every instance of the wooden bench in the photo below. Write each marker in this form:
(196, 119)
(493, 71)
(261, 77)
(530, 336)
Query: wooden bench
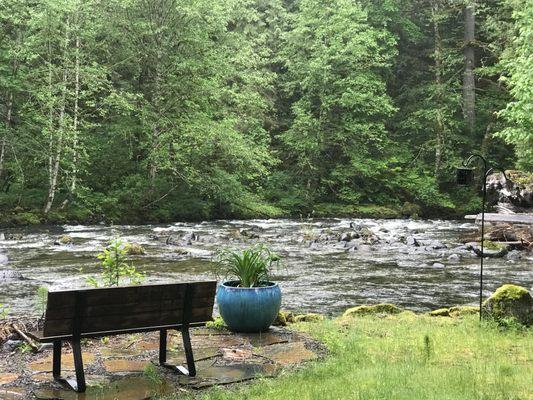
(72, 315)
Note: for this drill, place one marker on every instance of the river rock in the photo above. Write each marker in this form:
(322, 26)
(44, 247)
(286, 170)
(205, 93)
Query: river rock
(3, 259)
(510, 301)
(14, 236)
(11, 345)
(9, 275)
(439, 265)
(249, 233)
(349, 236)
(411, 241)
(454, 257)
(2, 236)
(514, 255)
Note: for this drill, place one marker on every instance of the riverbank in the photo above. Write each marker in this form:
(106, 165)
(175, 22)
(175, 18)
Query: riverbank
(405, 356)
(23, 217)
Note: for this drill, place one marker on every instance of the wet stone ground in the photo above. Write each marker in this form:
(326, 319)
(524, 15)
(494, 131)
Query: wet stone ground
(125, 367)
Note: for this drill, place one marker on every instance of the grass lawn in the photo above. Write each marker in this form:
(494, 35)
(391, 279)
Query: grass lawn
(405, 356)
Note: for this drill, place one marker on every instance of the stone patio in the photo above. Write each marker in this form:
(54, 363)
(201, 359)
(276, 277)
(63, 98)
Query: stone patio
(125, 367)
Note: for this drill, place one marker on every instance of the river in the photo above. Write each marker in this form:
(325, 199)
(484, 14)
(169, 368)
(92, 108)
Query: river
(420, 265)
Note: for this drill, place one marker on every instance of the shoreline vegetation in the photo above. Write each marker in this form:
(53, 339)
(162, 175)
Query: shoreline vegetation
(19, 217)
(117, 111)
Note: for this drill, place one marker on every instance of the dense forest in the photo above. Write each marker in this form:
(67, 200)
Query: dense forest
(163, 110)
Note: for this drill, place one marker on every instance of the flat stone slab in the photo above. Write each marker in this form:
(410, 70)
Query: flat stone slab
(67, 362)
(128, 388)
(122, 365)
(6, 378)
(12, 393)
(116, 368)
(288, 353)
(210, 375)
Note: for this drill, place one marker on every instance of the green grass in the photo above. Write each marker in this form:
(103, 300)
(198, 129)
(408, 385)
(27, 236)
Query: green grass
(405, 356)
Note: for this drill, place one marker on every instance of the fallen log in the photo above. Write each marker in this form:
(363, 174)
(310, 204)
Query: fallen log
(499, 254)
(28, 340)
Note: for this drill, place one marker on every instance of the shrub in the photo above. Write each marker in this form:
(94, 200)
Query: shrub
(115, 266)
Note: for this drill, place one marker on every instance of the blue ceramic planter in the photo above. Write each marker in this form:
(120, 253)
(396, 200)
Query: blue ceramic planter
(248, 309)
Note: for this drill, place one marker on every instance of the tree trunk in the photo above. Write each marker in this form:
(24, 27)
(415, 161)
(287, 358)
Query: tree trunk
(55, 158)
(3, 142)
(75, 124)
(437, 55)
(487, 140)
(469, 84)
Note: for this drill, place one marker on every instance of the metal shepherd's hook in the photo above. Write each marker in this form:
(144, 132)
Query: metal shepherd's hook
(465, 176)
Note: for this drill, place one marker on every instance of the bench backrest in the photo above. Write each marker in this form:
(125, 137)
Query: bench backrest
(82, 312)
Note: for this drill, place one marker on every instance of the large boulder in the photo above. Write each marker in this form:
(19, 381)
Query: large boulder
(510, 301)
(516, 193)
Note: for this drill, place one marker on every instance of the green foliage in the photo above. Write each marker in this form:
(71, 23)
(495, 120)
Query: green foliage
(24, 348)
(217, 324)
(517, 61)
(251, 267)
(41, 298)
(251, 108)
(4, 311)
(153, 375)
(115, 267)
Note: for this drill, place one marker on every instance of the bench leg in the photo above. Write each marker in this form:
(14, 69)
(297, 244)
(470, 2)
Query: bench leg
(79, 383)
(188, 350)
(56, 360)
(191, 369)
(78, 365)
(162, 346)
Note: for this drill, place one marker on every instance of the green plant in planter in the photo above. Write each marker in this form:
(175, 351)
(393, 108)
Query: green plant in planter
(251, 267)
(251, 302)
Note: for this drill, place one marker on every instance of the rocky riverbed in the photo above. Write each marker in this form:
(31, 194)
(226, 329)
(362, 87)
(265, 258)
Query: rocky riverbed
(329, 265)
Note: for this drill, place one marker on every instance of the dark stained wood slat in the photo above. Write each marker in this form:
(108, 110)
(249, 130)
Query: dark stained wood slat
(131, 294)
(67, 312)
(109, 323)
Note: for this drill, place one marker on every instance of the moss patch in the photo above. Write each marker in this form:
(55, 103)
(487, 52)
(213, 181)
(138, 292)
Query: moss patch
(383, 308)
(457, 311)
(284, 317)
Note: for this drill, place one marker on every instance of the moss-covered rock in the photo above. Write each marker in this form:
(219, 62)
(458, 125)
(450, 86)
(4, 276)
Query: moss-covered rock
(284, 317)
(383, 308)
(311, 317)
(457, 311)
(510, 301)
(65, 239)
(134, 249)
(441, 312)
